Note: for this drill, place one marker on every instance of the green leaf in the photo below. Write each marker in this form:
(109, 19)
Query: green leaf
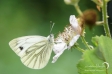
(105, 50)
(90, 64)
(98, 60)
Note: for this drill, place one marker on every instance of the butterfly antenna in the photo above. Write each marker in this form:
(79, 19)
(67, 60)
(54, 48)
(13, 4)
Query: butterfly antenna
(52, 25)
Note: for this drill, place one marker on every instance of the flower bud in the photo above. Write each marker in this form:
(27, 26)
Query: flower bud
(71, 2)
(90, 17)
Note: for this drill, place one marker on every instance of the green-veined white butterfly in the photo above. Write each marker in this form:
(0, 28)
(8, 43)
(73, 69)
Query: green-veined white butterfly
(34, 51)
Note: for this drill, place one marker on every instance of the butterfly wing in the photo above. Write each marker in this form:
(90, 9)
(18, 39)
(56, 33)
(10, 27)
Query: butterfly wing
(34, 51)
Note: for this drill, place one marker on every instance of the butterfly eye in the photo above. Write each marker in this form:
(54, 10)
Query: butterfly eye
(21, 48)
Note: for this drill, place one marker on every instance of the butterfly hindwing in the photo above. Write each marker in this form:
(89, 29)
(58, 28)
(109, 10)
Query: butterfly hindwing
(37, 58)
(34, 51)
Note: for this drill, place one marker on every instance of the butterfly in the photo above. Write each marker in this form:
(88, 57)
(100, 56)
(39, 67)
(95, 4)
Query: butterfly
(34, 51)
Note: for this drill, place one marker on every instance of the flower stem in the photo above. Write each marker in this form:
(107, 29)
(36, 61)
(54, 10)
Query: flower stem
(84, 41)
(80, 49)
(99, 23)
(78, 9)
(80, 13)
(104, 13)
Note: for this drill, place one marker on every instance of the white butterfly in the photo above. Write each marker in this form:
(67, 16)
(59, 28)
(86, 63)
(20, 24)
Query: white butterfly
(34, 51)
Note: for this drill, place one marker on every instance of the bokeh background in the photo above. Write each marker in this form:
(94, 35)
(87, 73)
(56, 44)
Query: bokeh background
(32, 17)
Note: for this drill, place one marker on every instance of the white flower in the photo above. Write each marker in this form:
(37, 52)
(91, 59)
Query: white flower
(63, 42)
(77, 29)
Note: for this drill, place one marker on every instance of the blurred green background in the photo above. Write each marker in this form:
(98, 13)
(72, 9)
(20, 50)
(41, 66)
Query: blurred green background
(32, 17)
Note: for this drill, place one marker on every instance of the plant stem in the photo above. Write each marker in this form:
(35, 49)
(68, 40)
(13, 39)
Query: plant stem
(80, 49)
(84, 41)
(99, 23)
(80, 13)
(78, 9)
(104, 13)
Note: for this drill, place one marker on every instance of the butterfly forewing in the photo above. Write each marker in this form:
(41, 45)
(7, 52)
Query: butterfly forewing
(21, 44)
(34, 51)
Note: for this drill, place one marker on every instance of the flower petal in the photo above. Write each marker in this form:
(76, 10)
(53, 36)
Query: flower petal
(73, 41)
(73, 21)
(58, 49)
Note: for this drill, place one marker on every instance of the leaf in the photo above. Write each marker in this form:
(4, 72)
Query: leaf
(90, 64)
(105, 49)
(98, 60)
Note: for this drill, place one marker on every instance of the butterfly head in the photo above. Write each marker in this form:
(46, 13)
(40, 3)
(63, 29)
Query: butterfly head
(51, 38)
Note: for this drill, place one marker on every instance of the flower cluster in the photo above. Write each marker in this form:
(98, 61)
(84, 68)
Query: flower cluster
(67, 39)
